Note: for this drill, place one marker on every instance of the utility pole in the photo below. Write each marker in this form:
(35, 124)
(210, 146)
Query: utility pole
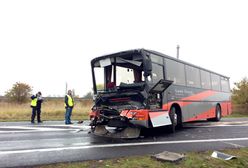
(66, 87)
(178, 47)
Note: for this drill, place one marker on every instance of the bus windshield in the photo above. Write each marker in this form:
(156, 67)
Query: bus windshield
(112, 72)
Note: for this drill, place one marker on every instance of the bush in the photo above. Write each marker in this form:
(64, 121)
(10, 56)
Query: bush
(19, 93)
(240, 92)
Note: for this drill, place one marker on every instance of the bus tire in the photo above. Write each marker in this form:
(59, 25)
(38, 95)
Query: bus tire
(179, 120)
(173, 117)
(217, 113)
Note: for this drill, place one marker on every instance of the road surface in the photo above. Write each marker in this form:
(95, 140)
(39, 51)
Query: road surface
(24, 144)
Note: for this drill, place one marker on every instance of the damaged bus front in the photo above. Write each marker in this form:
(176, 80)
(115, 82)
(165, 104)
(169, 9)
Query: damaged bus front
(128, 95)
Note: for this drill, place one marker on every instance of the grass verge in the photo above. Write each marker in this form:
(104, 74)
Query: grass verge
(51, 110)
(192, 160)
(236, 115)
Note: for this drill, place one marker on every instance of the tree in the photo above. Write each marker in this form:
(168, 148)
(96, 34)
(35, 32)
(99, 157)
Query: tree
(240, 92)
(20, 92)
(88, 95)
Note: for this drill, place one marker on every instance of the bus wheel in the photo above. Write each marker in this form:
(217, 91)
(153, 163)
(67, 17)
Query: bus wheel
(173, 117)
(179, 120)
(217, 113)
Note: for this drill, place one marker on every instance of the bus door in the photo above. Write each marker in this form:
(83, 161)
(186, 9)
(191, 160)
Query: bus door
(159, 117)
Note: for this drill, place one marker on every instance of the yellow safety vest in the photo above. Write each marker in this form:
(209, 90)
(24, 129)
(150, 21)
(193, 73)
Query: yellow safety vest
(70, 101)
(34, 102)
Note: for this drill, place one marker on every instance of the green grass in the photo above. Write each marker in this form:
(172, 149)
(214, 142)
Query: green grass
(192, 160)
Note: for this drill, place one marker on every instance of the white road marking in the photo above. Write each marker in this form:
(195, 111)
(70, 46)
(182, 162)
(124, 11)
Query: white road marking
(120, 145)
(17, 127)
(30, 141)
(29, 129)
(80, 144)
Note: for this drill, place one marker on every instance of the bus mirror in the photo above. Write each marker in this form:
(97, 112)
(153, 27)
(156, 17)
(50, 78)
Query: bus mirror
(147, 67)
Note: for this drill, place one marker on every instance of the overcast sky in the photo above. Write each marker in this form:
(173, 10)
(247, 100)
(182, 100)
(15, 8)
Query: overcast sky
(48, 43)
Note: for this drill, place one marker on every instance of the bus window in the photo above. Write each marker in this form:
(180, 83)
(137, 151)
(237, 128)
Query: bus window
(175, 72)
(193, 76)
(205, 80)
(215, 82)
(224, 84)
(157, 72)
(156, 59)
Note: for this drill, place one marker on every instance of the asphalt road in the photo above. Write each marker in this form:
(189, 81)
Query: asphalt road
(24, 144)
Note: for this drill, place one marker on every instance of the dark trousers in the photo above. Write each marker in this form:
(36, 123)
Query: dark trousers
(34, 111)
(68, 112)
(38, 114)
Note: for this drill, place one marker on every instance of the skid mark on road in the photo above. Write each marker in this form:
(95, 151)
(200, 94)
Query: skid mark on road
(121, 145)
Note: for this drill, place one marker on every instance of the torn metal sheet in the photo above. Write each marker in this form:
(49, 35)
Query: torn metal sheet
(223, 156)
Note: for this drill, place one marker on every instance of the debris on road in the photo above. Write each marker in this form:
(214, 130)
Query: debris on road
(223, 156)
(80, 122)
(128, 133)
(168, 156)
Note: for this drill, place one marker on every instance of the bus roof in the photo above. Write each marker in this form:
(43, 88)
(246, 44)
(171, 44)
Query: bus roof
(184, 62)
(127, 52)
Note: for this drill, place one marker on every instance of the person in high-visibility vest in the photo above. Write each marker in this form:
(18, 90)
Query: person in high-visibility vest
(33, 105)
(69, 104)
(36, 101)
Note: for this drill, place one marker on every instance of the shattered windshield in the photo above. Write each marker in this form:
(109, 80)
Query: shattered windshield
(112, 72)
(123, 75)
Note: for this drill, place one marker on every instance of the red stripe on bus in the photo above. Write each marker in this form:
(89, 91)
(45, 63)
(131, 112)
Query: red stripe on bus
(195, 97)
(200, 96)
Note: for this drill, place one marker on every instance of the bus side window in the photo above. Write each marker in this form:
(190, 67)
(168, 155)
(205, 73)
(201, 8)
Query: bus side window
(193, 76)
(224, 84)
(205, 80)
(156, 59)
(157, 72)
(175, 72)
(215, 79)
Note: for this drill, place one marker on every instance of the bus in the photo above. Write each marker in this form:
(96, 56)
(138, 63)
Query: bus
(142, 88)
